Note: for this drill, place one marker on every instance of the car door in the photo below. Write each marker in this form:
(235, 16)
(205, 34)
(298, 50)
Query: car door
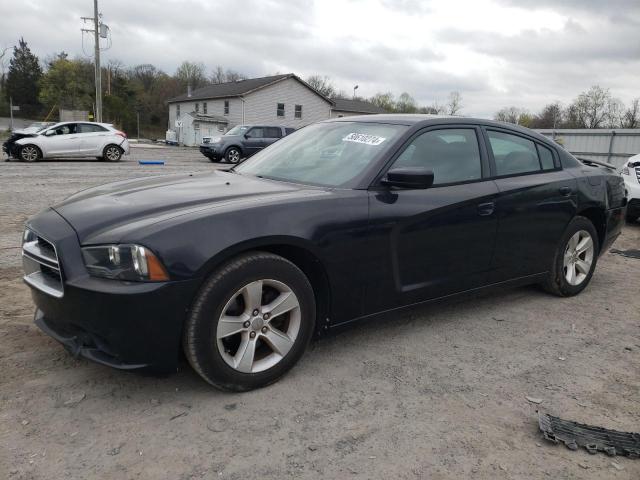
(439, 240)
(64, 141)
(92, 139)
(535, 203)
(253, 140)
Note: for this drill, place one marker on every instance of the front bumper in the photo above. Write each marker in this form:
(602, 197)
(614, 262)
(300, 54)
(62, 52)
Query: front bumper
(126, 325)
(210, 151)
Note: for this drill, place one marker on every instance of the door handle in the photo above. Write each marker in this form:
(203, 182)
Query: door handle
(486, 209)
(566, 191)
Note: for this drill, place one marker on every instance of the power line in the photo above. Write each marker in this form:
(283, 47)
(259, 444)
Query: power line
(99, 30)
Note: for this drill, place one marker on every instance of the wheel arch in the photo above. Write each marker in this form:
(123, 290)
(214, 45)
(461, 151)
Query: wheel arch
(297, 251)
(598, 218)
(32, 144)
(233, 145)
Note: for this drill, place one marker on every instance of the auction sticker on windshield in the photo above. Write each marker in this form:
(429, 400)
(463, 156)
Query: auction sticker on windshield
(363, 138)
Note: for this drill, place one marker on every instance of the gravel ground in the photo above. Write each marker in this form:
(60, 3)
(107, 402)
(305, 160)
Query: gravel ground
(436, 392)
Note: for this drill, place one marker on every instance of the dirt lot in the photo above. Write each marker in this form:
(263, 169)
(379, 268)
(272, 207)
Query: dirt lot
(437, 392)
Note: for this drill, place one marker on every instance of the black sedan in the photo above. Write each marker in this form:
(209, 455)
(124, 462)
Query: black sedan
(340, 221)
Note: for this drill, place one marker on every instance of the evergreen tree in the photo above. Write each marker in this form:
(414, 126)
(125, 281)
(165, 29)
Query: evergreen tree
(23, 77)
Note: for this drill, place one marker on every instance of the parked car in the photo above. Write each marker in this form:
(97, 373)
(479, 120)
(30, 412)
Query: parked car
(70, 139)
(340, 221)
(241, 141)
(631, 176)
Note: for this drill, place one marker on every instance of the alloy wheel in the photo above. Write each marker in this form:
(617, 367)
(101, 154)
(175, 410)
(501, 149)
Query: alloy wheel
(29, 153)
(258, 326)
(233, 155)
(113, 154)
(578, 257)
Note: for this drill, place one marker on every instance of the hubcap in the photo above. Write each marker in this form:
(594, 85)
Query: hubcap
(578, 257)
(252, 342)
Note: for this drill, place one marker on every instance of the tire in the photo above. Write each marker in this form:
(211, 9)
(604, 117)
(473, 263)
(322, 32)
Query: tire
(214, 347)
(570, 259)
(233, 155)
(112, 153)
(30, 153)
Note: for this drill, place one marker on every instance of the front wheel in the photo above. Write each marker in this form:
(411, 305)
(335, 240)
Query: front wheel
(250, 323)
(232, 155)
(575, 259)
(30, 153)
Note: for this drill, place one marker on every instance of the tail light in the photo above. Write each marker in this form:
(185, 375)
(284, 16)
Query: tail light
(122, 134)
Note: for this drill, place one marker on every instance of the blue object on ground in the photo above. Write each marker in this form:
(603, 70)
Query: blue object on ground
(151, 162)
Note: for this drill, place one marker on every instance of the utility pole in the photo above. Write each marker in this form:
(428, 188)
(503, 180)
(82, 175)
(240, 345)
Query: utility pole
(97, 28)
(11, 113)
(96, 36)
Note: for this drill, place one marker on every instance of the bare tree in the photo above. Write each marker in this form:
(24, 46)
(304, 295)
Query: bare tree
(191, 73)
(551, 116)
(595, 108)
(233, 76)
(512, 114)
(218, 75)
(384, 101)
(406, 104)
(322, 85)
(454, 105)
(631, 116)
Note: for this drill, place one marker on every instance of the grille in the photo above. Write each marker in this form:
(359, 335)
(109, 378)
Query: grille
(638, 173)
(41, 266)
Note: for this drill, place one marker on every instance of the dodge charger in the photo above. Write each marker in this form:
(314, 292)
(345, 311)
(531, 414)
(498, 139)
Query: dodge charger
(340, 221)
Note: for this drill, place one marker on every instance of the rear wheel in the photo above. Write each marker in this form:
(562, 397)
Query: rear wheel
(575, 259)
(250, 323)
(30, 153)
(112, 153)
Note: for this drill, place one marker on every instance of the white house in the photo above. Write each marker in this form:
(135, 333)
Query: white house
(283, 100)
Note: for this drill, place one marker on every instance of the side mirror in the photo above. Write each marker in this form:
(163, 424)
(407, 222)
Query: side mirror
(409, 177)
(247, 136)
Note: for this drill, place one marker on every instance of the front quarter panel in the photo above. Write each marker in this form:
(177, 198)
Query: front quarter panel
(331, 225)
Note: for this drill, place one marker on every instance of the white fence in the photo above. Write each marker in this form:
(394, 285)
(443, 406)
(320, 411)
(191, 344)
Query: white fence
(606, 145)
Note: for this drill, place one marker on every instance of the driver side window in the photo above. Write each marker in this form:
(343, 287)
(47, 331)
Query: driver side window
(255, 133)
(452, 154)
(65, 129)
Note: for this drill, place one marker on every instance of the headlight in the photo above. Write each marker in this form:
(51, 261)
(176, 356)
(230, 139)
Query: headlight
(124, 262)
(216, 139)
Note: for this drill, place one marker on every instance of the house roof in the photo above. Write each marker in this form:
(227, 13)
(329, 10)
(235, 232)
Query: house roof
(202, 117)
(239, 88)
(356, 106)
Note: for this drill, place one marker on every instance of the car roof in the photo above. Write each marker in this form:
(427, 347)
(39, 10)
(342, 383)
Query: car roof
(82, 121)
(425, 120)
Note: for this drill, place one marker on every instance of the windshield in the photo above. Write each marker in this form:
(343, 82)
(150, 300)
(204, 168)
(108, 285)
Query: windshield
(330, 154)
(237, 130)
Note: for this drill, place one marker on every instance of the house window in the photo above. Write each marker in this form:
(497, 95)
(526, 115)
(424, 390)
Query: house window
(280, 110)
(197, 107)
(226, 107)
(178, 110)
(298, 113)
(204, 108)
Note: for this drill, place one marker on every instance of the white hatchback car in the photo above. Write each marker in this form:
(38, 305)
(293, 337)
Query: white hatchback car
(74, 139)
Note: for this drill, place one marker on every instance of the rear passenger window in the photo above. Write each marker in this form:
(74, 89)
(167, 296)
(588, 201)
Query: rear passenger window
(513, 154)
(272, 132)
(88, 128)
(452, 155)
(546, 158)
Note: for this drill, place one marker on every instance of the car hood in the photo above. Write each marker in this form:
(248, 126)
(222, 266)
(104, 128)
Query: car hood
(118, 208)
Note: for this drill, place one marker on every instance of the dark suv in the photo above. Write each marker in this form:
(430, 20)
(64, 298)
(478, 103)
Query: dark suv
(241, 141)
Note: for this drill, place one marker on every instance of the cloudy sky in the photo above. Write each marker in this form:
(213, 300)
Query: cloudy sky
(495, 52)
